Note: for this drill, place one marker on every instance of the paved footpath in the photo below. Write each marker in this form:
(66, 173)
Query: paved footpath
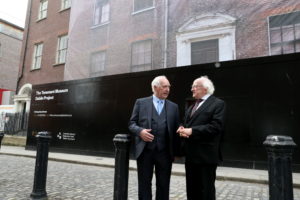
(66, 181)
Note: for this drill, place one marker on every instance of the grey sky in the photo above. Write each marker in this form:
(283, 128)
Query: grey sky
(14, 11)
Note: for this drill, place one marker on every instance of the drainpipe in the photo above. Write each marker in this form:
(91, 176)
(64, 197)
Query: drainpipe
(166, 32)
(27, 25)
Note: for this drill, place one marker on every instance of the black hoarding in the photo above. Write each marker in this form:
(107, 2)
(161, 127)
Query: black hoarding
(262, 97)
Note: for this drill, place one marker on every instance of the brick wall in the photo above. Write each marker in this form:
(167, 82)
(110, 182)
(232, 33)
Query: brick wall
(47, 31)
(116, 37)
(252, 38)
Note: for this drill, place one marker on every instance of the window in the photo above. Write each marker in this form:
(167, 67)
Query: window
(62, 46)
(204, 51)
(206, 38)
(37, 56)
(98, 62)
(43, 9)
(65, 4)
(101, 14)
(141, 56)
(284, 33)
(142, 5)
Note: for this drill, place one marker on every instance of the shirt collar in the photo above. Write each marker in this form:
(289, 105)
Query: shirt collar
(205, 97)
(156, 99)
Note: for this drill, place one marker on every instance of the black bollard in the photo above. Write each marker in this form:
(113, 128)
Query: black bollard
(40, 174)
(1, 137)
(280, 149)
(122, 145)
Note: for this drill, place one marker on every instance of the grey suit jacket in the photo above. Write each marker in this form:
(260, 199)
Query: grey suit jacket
(141, 119)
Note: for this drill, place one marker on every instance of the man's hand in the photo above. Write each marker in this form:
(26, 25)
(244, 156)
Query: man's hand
(146, 135)
(184, 132)
(180, 129)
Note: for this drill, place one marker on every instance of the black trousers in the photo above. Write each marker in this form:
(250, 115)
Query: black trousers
(162, 162)
(200, 181)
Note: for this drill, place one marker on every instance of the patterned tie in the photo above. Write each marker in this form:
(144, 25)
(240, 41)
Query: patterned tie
(195, 106)
(159, 106)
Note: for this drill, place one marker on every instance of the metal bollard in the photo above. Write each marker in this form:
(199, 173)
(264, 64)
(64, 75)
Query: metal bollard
(40, 174)
(1, 137)
(279, 149)
(122, 145)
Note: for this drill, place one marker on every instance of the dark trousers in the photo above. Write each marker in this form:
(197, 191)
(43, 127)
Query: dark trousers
(146, 162)
(200, 181)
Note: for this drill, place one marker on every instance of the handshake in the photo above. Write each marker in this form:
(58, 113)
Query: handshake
(184, 132)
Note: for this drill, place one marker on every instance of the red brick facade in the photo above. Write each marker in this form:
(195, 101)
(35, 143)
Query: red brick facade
(125, 27)
(47, 31)
(251, 38)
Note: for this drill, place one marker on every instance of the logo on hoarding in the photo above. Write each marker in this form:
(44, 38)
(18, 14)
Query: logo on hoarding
(66, 136)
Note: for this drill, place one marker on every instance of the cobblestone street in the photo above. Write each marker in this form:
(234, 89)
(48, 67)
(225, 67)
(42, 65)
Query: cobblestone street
(74, 181)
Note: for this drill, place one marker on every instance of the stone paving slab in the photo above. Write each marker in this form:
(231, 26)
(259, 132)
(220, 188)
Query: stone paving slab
(68, 181)
(223, 173)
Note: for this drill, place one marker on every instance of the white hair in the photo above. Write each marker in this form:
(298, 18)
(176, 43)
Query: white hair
(207, 84)
(156, 81)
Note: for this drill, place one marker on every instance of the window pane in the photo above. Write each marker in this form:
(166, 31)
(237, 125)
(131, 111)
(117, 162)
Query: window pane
(134, 50)
(98, 60)
(101, 14)
(38, 62)
(43, 9)
(148, 57)
(37, 57)
(276, 50)
(44, 5)
(298, 47)
(147, 46)
(40, 12)
(39, 49)
(286, 39)
(65, 4)
(288, 48)
(138, 5)
(105, 13)
(287, 33)
(62, 56)
(97, 16)
(147, 67)
(297, 31)
(62, 49)
(97, 13)
(63, 42)
(141, 60)
(275, 35)
(205, 51)
(142, 4)
(134, 59)
(141, 56)
(134, 69)
(69, 3)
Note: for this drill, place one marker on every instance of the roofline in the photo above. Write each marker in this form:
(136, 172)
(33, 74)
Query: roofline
(11, 24)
